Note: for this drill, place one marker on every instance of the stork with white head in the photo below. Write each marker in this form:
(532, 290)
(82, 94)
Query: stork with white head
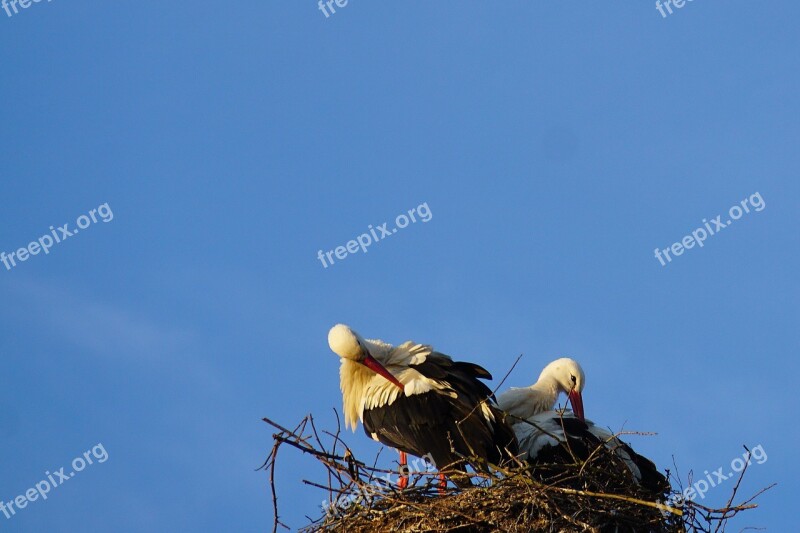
(355, 350)
(420, 401)
(549, 438)
(562, 375)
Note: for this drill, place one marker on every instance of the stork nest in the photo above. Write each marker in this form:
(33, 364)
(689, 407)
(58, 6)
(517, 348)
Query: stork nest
(568, 497)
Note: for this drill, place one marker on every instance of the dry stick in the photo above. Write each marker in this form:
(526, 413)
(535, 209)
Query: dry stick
(343, 490)
(336, 440)
(677, 476)
(479, 404)
(723, 511)
(398, 506)
(738, 482)
(734, 510)
(359, 463)
(271, 461)
(425, 512)
(314, 430)
(615, 436)
(300, 438)
(342, 458)
(276, 521)
(375, 463)
(510, 370)
(494, 391)
(335, 463)
(301, 443)
(331, 461)
(305, 447)
(338, 429)
(300, 428)
(275, 424)
(576, 522)
(757, 494)
(320, 486)
(500, 384)
(566, 443)
(673, 510)
(326, 459)
(319, 441)
(692, 507)
(660, 506)
(595, 451)
(637, 501)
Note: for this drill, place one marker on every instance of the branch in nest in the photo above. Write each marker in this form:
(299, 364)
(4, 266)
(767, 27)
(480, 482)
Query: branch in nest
(583, 497)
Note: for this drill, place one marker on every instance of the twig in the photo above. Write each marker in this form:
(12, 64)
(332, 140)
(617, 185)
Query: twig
(637, 501)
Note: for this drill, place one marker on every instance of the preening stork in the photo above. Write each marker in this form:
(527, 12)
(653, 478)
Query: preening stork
(548, 438)
(421, 402)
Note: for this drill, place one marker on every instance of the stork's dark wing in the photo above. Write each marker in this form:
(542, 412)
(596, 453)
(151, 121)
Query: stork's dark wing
(650, 478)
(464, 377)
(447, 424)
(584, 440)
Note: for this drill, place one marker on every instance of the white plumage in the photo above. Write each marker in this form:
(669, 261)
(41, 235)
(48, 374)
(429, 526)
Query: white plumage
(548, 429)
(420, 401)
(562, 375)
(548, 437)
(362, 388)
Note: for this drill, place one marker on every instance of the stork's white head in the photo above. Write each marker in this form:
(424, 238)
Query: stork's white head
(346, 343)
(349, 345)
(569, 377)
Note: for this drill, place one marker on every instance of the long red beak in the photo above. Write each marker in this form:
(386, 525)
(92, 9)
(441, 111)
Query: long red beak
(373, 364)
(576, 400)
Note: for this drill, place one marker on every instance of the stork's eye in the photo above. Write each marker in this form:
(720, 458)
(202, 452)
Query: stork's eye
(574, 380)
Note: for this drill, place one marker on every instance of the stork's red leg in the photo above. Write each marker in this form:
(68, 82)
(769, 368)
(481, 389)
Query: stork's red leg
(442, 484)
(403, 481)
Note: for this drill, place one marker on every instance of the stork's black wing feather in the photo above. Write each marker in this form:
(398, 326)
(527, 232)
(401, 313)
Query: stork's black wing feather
(461, 376)
(447, 424)
(581, 444)
(447, 428)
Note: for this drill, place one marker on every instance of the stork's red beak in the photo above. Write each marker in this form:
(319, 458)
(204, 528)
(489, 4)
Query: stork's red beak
(373, 364)
(576, 400)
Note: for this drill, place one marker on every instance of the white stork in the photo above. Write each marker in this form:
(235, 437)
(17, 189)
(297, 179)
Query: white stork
(552, 438)
(547, 437)
(562, 375)
(421, 402)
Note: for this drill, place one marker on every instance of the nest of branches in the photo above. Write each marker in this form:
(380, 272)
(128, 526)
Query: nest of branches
(577, 496)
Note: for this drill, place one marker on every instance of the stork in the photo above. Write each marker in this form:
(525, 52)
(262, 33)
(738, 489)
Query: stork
(553, 438)
(421, 402)
(547, 437)
(562, 375)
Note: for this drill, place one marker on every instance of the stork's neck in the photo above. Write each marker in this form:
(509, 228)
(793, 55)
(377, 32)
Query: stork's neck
(525, 402)
(545, 391)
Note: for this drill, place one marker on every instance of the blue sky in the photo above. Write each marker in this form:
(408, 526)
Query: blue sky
(556, 145)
